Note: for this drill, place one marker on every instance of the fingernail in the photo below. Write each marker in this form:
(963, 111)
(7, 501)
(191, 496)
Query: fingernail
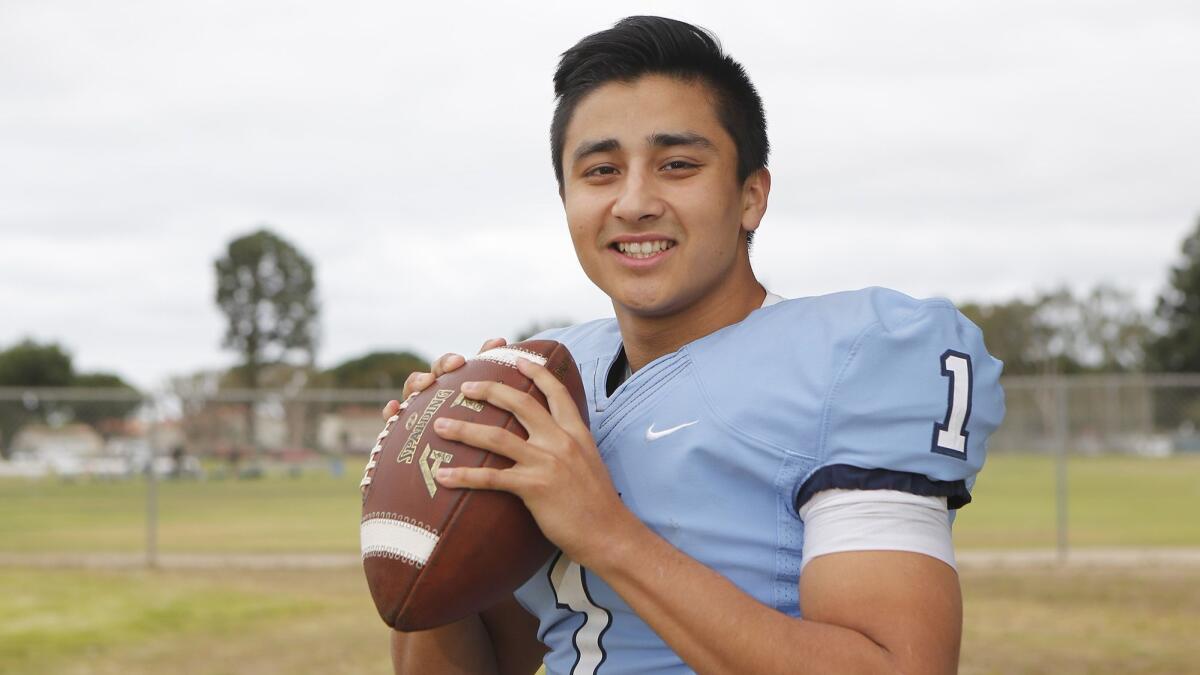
(443, 424)
(470, 386)
(443, 474)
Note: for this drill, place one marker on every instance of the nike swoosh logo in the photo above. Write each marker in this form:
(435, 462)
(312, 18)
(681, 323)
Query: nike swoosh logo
(652, 435)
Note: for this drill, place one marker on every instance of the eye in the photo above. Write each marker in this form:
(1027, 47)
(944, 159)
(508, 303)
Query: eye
(679, 164)
(602, 170)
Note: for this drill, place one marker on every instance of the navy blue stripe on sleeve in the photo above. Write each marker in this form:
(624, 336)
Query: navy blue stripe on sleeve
(847, 477)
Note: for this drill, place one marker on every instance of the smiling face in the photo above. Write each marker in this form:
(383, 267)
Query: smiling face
(656, 212)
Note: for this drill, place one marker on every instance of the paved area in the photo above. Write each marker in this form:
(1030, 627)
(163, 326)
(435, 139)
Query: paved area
(1105, 557)
(1085, 557)
(182, 560)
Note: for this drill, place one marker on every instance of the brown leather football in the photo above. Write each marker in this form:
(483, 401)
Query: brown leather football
(433, 555)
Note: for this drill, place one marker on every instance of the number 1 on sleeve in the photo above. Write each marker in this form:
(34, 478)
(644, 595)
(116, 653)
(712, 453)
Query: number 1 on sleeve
(950, 435)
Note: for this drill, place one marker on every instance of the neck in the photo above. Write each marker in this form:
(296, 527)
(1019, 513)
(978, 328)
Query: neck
(649, 337)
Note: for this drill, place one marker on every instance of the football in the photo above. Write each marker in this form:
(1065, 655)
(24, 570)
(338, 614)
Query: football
(433, 555)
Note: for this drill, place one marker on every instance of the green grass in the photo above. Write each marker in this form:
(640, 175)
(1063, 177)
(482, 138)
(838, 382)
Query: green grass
(210, 622)
(72, 622)
(1072, 621)
(312, 513)
(101, 622)
(1114, 501)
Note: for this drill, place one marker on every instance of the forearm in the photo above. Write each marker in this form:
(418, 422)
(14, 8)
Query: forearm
(463, 647)
(501, 640)
(717, 628)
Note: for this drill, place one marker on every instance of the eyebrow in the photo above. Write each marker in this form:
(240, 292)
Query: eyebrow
(593, 147)
(658, 140)
(667, 140)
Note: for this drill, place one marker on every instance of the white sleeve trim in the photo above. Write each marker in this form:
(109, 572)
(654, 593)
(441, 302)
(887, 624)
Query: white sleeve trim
(876, 520)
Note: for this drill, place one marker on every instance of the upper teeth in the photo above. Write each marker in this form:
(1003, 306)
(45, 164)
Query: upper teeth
(643, 249)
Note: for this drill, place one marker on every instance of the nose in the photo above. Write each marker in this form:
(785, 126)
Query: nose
(638, 200)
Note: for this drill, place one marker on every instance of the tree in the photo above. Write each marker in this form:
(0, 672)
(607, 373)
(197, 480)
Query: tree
(1116, 330)
(29, 364)
(1058, 332)
(267, 290)
(1177, 347)
(98, 413)
(1012, 332)
(384, 370)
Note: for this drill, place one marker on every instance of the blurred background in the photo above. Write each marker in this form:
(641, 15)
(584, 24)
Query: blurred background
(228, 232)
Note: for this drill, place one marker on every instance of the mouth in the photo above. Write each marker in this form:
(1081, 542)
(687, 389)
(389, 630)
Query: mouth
(641, 250)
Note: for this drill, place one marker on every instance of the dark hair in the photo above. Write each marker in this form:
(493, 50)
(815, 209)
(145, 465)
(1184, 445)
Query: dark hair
(643, 45)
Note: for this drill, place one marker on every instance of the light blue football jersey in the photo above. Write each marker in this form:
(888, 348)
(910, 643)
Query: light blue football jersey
(717, 445)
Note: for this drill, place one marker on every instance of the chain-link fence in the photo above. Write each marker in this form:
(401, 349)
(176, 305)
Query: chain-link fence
(113, 470)
(93, 432)
(1151, 415)
(115, 432)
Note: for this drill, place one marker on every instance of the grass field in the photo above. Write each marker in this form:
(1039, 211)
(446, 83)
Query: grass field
(314, 512)
(1114, 501)
(71, 622)
(1018, 621)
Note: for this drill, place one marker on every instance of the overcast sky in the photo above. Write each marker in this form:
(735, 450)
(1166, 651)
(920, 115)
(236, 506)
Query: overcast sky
(974, 150)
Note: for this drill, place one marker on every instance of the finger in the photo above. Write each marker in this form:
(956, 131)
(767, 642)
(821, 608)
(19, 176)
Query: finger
(487, 437)
(391, 408)
(478, 479)
(405, 402)
(525, 407)
(562, 404)
(447, 363)
(416, 382)
(492, 344)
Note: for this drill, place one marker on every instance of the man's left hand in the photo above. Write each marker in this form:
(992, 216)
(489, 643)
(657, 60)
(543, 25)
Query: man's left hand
(558, 472)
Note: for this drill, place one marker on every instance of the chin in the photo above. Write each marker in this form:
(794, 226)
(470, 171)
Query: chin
(647, 303)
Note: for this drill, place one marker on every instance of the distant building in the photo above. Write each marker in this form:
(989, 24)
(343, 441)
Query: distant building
(65, 450)
(73, 440)
(350, 430)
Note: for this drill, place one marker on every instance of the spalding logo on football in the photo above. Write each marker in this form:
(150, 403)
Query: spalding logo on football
(433, 555)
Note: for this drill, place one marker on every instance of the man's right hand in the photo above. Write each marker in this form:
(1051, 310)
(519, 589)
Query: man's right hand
(502, 639)
(418, 382)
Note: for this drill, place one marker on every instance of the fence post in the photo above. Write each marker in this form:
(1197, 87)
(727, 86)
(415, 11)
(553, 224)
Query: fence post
(152, 491)
(1062, 439)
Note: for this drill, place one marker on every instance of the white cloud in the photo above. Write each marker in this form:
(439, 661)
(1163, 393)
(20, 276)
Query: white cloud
(977, 150)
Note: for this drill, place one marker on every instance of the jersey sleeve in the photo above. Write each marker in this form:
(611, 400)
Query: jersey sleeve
(911, 406)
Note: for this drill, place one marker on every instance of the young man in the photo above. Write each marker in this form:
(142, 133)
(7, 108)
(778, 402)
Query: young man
(736, 439)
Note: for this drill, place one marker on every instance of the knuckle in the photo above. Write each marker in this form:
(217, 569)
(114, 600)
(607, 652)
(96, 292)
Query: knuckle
(527, 401)
(556, 461)
(411, 384)
(563, 440)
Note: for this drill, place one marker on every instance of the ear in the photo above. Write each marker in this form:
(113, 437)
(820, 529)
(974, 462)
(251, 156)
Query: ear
(755, 191)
